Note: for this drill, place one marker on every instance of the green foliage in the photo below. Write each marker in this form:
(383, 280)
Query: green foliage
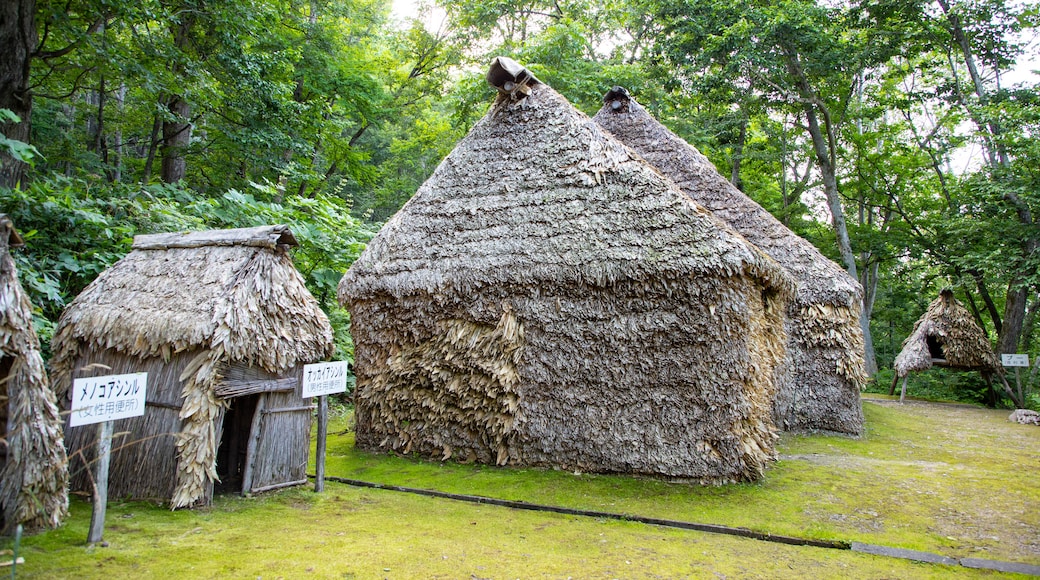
(17, 149)
(576, 47)
(75, 228)
(938, 384)
(416, 146)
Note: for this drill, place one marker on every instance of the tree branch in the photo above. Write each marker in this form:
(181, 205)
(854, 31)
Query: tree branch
(49, 54)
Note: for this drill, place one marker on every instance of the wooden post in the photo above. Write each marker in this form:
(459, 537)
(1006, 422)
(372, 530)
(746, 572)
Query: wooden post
(1018, 382)
(902, 391)
(104, 456)
(319, 454)
(15, 560)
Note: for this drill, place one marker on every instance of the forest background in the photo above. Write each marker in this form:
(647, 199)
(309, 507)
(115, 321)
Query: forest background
(890, 133)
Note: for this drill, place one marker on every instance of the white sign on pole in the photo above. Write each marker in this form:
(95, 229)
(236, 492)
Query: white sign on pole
(1015, 360)
(324, 378)
(99, 399)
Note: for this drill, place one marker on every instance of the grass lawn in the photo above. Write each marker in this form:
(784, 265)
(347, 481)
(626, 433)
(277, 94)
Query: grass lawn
(950, 479)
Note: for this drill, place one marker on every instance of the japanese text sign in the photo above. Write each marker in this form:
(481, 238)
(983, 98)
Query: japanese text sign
(324, 378)
(1014, 360)
(99, 399)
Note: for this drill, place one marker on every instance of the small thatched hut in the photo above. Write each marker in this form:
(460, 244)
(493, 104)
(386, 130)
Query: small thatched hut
(547, 298)
(946, 335)
(822, 378)
(222, 323)
(34, 474)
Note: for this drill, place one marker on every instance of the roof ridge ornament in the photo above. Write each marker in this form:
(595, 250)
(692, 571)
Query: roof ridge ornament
(618, 100)
(510, 78)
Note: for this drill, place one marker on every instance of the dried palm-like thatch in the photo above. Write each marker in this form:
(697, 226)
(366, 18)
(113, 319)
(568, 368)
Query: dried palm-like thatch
(947, 335)
(34, 482)
(199, 303)
(547, 298)
(821, 380)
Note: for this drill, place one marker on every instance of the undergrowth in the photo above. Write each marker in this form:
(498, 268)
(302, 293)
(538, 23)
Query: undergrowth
(948, 479)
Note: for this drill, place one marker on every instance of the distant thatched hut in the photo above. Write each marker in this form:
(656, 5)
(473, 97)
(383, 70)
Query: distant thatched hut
(547, 298)
(946, 335)
(825, 370)
(34, 474)
(222, 323)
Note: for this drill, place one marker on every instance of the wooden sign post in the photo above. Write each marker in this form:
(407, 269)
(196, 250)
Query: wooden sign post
(102, 400)
(1018, 361)
(320, 380)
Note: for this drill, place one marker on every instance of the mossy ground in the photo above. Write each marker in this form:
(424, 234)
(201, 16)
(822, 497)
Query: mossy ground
(950, 479)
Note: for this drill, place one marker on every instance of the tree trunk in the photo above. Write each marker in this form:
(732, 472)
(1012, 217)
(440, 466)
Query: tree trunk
(821, 146)
(1018, 295)
(1014, 319)
(153, 147)
(17, 43)
(1015, 306)
(825, 145)
(738, 156)
(176, 137)
(991, 131)
(991, 307)
(1030, 324)
(825, 148)
(115, 173)
(97, 129)
(869, 283)
(176, 131)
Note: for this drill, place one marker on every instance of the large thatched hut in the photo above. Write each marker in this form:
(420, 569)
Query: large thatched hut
(547, 298)
(821, 383)
(222, 323)
(33, 470)
(947, 336)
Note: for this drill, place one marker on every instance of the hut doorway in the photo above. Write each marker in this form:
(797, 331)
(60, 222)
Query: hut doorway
(935, 349)
(232, 455)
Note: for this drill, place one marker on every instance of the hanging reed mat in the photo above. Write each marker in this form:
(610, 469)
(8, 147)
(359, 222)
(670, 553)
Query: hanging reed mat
(33, 467)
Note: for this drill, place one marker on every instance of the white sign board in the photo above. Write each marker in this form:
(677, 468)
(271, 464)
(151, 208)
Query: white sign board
(1014, 360)
(107, 398)
(324, 378)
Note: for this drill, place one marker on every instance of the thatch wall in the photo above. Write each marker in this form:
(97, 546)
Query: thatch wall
(229, 297)
(821, 381)
(33, 467)
(948, 324)
(144, 449)
(547, 298)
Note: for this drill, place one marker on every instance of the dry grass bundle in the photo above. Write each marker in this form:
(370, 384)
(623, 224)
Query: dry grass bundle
(646, 331)
(464, 378)
(947, 332)
(820, 382)
(200, 301)
(34, 471)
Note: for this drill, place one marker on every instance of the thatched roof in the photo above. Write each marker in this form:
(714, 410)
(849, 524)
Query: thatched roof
(547, 297)
(233, 294)
(826, 341)
(820, 280)
(233, 290)
(564, 212)
(947, 334)
(34, 476)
